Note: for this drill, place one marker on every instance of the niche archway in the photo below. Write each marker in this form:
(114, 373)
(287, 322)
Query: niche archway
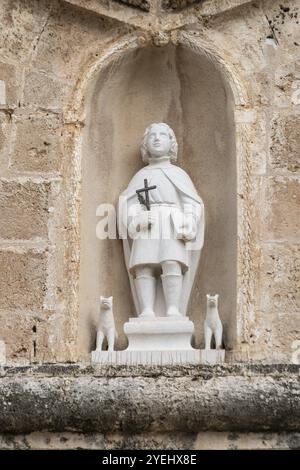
(183, 88)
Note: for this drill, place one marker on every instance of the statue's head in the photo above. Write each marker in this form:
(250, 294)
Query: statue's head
(106, 302)
(159, 141)
(212, 300)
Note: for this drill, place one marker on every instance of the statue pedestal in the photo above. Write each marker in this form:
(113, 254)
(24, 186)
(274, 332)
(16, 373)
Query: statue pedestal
(159, 334)
(161, 341)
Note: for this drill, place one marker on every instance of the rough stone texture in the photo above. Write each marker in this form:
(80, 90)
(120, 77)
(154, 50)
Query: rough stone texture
(27, 342)
(280, 213)
(150, 400)
(142, 4)
(152, 441)
(9, 75)
(22, 280)
(23, 209)
(37, 143)
(280, 279)
(177, 4)
(285, 143)
(44, 92)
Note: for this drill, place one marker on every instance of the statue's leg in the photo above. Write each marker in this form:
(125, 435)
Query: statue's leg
(218, 335)
(99, 342)
(172, 286)
(111, 339)
(207, 336)
(145, 284)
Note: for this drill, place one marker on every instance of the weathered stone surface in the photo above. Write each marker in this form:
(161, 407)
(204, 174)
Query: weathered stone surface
(283, 19)
(45, 92)
(280, 280)
(285, 143)
(28, 342)
(287, 81)
(22, 279)
(142, 4)
(173, 399)
(11, 79)
(279, 210)
(68, 41)
(5, 132)
(37, 143)
(208, 440)
(22, 21)
(23, 209)
(177, 4)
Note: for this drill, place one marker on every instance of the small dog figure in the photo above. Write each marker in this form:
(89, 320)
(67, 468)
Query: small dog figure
(212, 324)
(106, 324)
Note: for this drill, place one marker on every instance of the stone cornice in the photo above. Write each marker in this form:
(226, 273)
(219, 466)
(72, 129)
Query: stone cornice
(183, 398)
(158, 18)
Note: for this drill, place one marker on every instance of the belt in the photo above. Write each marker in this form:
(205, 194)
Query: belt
(162, 204)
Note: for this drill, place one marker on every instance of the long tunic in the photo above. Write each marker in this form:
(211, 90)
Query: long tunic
(159, 243)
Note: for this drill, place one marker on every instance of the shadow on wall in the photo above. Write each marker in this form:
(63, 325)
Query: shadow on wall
(184, 89)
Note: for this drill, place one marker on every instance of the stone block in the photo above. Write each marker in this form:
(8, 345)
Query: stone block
(285, 335)
(279, 279)
(44, 91)
(285, 143)
(9, 85)
(22, 279)
(21, 23)
(109, 400)
(287, 85)
(5, 130)
(37, 143)
(283, 19)
(24, 335)
(68, 38)
(23, 209)
(279, 209)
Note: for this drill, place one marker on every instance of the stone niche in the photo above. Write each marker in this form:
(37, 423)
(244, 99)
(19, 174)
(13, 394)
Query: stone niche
(186, 90)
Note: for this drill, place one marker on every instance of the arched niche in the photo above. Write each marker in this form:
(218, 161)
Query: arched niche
(176, 85)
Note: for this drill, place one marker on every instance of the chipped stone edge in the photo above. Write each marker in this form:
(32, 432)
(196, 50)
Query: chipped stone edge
(85, 398)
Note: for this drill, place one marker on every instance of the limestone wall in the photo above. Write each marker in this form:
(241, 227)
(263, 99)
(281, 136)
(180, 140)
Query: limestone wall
(50, 53)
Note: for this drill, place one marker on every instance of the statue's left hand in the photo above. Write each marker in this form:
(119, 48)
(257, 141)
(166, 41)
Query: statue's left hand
(187, 229)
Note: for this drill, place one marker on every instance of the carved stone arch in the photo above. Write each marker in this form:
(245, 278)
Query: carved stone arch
(75, 118)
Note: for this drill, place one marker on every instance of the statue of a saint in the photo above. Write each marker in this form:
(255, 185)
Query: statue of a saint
(161, 221)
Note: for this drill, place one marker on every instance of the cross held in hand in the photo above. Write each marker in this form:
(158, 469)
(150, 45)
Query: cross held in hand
(145, 200)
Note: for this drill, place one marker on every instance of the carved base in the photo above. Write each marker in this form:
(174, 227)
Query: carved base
(159, 341)
(159, 334)
(160, 358)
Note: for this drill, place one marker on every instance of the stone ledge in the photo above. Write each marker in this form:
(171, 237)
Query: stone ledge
(57, 398)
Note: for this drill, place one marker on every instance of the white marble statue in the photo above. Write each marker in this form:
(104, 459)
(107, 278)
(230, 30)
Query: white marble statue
(161, 221)
(212, 324)
(106, 324)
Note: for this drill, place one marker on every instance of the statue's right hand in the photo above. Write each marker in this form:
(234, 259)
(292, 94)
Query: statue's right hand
(146, 219)
(142, 222)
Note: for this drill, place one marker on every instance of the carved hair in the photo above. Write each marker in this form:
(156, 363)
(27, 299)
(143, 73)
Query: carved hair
(173, 150)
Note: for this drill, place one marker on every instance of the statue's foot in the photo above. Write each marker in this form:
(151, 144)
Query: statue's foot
(173, 312)
(147, 313)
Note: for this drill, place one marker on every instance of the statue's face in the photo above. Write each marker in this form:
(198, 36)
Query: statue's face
(158, 141)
